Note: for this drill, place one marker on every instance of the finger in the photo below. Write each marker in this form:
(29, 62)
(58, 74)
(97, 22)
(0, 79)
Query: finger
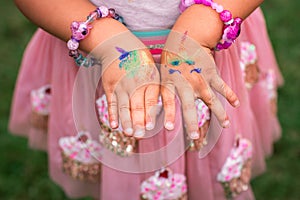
(233, 185)
(137, 105)
(151, 100)
(112, 109)
(211, 100)
(220, 86)
(239, 186)
(245, 176)
(203, 132)
(187, 98)
(168, 99)
(124, 112)
(246, 172)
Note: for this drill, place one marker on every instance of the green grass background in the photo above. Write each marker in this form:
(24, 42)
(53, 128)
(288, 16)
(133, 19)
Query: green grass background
(23, 172)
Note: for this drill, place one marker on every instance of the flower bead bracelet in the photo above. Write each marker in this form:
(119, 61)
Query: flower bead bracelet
(80, 30)
(232, 26)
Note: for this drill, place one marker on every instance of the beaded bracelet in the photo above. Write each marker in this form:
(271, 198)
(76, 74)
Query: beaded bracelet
(232, 26)
(80, 31)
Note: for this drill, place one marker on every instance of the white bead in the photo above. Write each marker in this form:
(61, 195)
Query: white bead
(219, 9)
(72, 44)
(104, 11)
(214, 5)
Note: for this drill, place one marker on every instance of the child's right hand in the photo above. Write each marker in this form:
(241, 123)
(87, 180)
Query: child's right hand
(131, 83)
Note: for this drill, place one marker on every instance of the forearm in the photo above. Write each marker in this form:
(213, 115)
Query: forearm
(55, 17)
(203, 24)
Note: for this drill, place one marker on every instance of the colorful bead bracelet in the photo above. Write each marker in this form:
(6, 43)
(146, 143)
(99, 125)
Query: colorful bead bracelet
(232, 26)
(80, 31)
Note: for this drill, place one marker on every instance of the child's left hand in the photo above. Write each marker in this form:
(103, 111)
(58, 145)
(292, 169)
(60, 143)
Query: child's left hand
(190, 69)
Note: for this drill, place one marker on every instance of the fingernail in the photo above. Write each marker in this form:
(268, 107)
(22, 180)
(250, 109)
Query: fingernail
(113, 124)
(128, 131)
(139, 133)
(236, 103)
(149, 126)
(169, 126)
(194, 135)
(226, 124)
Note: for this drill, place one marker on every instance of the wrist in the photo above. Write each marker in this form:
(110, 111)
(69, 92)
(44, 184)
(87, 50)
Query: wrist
(206, 30)
(202, 24)
(103, 29)
(80, 30)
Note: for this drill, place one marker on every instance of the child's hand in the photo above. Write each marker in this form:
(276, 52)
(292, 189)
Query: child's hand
(131, 84)
(189, 69)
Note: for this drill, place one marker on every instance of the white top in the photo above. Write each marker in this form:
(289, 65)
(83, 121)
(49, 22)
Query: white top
(152, 15)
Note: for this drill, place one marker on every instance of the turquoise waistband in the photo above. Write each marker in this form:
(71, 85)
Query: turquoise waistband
(142, 34)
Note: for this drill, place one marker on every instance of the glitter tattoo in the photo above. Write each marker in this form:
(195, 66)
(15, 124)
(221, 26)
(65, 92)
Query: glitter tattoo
(197, 70)
(135, 63)
(172, 71)
(184, 58)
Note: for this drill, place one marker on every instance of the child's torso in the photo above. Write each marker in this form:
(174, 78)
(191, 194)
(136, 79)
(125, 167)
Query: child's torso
(145, 14)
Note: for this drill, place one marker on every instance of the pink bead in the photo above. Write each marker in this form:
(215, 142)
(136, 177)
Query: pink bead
(225, 16)
(112, 12)
(238, 20)
(206, 2)
(188, 3)
(72, 44)
(198, 1)
(74, 53)
(80, 30)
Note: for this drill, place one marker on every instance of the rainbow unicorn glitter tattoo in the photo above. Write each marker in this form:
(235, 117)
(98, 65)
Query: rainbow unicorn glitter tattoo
(136, 63)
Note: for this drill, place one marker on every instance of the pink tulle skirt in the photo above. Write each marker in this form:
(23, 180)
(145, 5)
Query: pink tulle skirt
(46, 61)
